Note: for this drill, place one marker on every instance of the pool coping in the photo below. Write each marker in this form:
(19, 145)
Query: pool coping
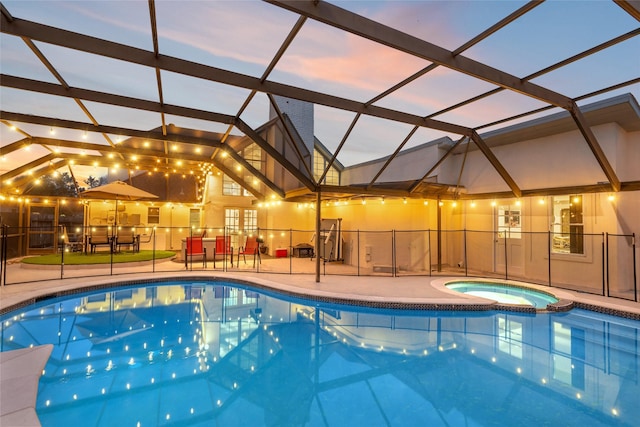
(449, 301)
(564, 299)
(21, 370)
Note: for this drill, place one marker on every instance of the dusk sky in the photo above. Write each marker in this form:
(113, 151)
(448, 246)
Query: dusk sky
(243, 36)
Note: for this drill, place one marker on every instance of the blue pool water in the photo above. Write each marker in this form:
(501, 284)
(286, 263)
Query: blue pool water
(218, 354)
(504, 294)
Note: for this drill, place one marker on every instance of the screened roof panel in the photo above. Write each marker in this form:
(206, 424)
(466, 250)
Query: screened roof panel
(256, 113)
(424, 135)
(188, 123)
(130, 118)
(492, 108)
(325, 59)
(98, 73)
(27, 102)
(237, 36)
(381, 136)
(55, 133)
(448, 24)
(549, 33)
(10, 134)
(617, 64)
(31, 151)
(19, 60)
(331, 125)
(124, 22)
(435, 91)
(201, 94)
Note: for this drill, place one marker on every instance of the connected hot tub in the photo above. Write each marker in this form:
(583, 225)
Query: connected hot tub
(504, 293)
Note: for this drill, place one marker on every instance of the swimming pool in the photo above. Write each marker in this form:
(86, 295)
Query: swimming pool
(213, 353)
(505, 294)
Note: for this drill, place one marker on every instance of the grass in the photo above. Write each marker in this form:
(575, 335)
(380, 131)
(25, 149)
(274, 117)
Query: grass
(80, 258)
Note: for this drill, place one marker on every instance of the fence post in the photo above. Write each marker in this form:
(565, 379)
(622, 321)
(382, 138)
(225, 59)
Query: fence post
(506, 259)
(605, 264)
(61, 259)
(2, 266)
(549, 254)
(153, 252)
(429, 250)
(111, 247)
(635, 270)
(466, 268)
(393, 253)
(190, 260)
(290, 251)
(358, 250)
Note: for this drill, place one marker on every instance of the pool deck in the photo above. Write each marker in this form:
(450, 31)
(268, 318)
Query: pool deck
(17, 404)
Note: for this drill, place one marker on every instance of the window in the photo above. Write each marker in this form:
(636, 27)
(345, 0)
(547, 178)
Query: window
(253, 155)
(568, 345)
(194, 218)
(153, 215)
(250, 221)
(509, 224)
(319, 165)
(567, 225)
(510, 336)
(232, 220)
(230, 187)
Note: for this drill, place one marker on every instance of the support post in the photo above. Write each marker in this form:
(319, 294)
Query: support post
(318, 225)
(439, 236)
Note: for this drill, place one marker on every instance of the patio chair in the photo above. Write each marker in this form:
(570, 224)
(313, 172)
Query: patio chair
(128, 238)
(223, 247)
(100, 237)
(251, 247)
(195, 247)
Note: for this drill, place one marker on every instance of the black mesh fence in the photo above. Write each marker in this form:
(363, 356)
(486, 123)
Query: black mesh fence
(601, 264)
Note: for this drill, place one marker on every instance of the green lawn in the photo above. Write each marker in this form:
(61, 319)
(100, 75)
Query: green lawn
(80, 258)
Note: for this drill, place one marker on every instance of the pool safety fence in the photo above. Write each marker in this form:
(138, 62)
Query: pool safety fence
(601, 264)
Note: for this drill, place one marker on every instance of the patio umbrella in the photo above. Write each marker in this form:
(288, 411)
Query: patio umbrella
(118, 190)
